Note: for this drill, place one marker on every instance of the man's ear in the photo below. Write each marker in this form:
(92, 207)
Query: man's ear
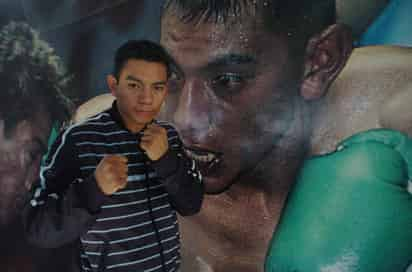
(326, 55)
(112, 84)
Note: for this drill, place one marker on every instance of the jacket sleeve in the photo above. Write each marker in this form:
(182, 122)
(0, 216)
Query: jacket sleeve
(181, 178)
(62, 206)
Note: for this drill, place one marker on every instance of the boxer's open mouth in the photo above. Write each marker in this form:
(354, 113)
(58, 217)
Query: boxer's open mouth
(202, 155)
(207, 160)
(212, 165)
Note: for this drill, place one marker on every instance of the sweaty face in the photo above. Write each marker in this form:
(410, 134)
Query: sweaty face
(20, 156)
(140, 92)
(238, 97)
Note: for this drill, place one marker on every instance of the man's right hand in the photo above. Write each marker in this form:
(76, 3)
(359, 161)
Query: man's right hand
(111, 174)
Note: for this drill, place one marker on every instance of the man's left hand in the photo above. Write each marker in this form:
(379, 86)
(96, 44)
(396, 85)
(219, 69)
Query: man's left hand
(154, 141)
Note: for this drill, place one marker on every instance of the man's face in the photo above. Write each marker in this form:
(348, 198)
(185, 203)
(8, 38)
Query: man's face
(239, 97)
(140, 92)
(20, 155)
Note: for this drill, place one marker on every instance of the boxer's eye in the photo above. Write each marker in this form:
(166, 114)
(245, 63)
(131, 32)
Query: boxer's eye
(175, 84)
(228, 84)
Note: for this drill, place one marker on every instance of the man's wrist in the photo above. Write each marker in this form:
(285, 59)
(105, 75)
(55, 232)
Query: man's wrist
(90, 194)
(167, 164)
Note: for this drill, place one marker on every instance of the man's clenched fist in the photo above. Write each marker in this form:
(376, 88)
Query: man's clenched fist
(154, 141)
(111, 174)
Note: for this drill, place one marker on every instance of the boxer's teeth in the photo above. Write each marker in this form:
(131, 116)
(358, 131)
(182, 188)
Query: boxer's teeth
(202, 158)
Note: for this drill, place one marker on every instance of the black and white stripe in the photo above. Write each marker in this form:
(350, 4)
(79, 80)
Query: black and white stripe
(124, 237)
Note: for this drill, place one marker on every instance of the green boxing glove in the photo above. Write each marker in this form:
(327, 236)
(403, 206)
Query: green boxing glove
(350, 210)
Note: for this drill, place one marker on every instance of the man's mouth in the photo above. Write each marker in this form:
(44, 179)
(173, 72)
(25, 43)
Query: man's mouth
(145, 113)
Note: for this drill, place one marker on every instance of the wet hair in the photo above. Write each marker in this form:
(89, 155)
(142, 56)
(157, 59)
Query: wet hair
(31, 76)
(299, 18)
(144, 50)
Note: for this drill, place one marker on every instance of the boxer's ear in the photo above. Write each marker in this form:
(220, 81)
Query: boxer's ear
(326, 55)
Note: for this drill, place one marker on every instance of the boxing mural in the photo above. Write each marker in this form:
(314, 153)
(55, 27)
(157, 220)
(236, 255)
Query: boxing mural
(34, 96)
(269, 100)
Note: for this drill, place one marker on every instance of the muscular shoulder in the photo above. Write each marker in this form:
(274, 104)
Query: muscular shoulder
(373, 90)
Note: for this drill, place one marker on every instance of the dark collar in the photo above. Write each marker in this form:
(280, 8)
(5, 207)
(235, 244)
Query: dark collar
(114, 112)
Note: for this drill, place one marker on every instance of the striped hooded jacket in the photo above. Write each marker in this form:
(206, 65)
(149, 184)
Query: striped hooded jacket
(135, 229)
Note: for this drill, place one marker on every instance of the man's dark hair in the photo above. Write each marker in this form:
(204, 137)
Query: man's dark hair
(31, 76)
(298, 18)
(147, 51)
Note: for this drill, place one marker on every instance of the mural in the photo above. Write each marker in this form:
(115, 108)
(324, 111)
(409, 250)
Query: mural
(267, 85)
(33, 97)
(391, 27)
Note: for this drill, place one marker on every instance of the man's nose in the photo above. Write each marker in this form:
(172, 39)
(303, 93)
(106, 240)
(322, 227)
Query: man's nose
(192, 112)
(145, 96)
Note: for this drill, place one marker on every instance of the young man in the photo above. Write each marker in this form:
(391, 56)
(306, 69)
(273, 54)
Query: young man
(252, 72)
(34, 85)
(115, 180)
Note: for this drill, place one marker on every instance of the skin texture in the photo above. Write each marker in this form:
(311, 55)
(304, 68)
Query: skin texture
(396, 113)
(374, 90)
(111, 174)
(154, 141)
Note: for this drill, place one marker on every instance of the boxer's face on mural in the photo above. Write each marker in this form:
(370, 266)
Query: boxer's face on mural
(239, 97)
(21, 150)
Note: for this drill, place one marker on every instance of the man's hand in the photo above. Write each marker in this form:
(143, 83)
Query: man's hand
(111, 174)
(154, 141)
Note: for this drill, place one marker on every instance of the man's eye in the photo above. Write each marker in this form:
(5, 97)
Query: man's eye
(159, 88)
(227, 84)
(132, 85)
